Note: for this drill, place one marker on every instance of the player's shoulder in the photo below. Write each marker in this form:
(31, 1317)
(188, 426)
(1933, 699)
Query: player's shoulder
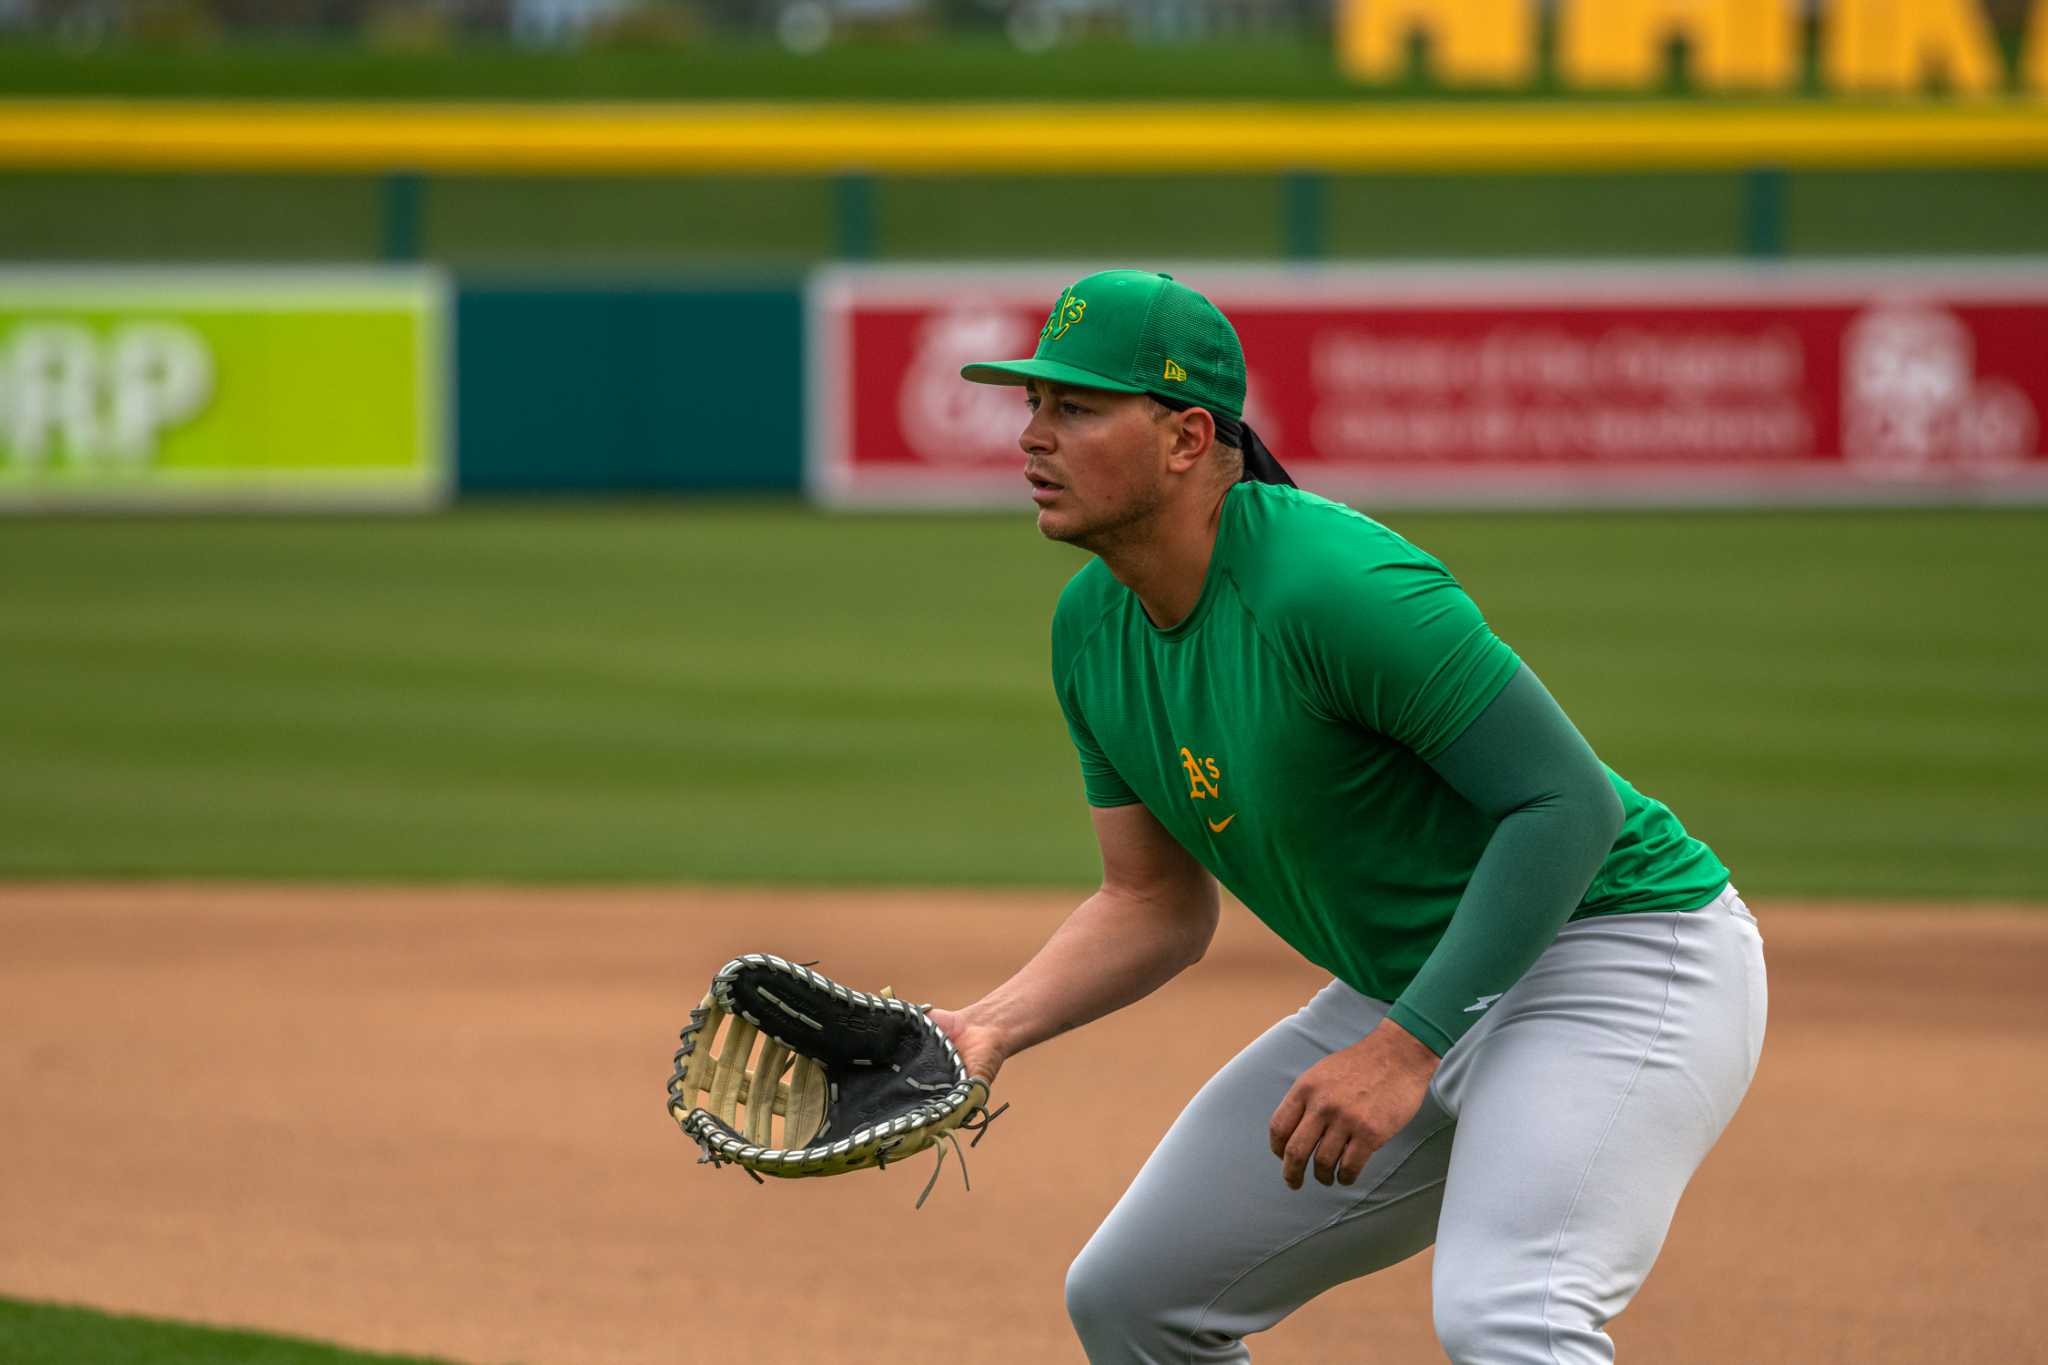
(1088, 594)
(1084, 604)
(1291, 548)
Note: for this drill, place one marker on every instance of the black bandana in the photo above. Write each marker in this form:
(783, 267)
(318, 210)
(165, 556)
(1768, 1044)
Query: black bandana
(1259, 464)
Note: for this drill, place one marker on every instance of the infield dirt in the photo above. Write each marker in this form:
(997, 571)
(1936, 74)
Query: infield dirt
(432, 1120)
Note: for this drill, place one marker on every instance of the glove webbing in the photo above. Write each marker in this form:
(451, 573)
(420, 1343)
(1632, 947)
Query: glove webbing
(730, 1083)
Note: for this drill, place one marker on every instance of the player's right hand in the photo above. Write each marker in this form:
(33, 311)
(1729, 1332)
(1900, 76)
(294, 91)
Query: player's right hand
(980, 1048)
(1348, 1105)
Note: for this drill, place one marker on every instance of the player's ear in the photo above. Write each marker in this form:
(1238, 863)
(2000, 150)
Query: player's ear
(1193, 437)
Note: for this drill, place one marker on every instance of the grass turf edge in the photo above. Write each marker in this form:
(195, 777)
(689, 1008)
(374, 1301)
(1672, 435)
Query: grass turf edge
(61, 1334)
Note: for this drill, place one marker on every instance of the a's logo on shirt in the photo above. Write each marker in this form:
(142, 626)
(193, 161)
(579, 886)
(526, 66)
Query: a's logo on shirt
(1205, 783)
(1065, 314)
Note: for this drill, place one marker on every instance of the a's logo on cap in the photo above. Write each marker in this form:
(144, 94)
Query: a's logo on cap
(1175, 372)
(1065, 314)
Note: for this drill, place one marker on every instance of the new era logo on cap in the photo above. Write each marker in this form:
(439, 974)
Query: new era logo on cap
(1175, 372)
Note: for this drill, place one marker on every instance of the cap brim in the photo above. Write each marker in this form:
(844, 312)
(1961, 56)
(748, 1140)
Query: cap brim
(1015, 372)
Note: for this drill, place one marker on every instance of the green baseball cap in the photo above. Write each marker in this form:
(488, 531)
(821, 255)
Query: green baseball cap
(1133, 331)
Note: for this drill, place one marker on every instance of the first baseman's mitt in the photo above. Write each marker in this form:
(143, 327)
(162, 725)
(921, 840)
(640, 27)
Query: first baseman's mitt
(832, 1079)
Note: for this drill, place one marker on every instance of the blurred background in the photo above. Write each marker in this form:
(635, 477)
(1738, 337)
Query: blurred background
(535, 263)
(505, 441)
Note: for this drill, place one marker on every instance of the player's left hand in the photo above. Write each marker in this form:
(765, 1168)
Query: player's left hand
(981, 1048)
(1346, 1107)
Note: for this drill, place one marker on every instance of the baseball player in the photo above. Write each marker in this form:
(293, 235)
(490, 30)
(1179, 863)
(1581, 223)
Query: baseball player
(1548, 1000)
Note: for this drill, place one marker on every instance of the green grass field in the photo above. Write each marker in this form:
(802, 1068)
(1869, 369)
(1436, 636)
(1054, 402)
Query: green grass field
(1842, 703)
(44, 1334)
(913, 64)
(776, 225)
(953, 68)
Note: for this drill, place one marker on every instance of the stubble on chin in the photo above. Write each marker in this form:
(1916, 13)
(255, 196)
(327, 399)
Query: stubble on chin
(1105, 534)
(1078, 534)
(1064, 532)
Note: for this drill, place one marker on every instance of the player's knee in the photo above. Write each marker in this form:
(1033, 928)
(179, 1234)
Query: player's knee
(1477, 1321)
(1463, 1322)
(1503, 1319)
(1112, 1298)
(1095, 1299)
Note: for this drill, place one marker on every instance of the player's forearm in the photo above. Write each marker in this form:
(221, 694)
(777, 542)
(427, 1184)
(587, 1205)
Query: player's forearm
(1116, 948)
(1523, 763)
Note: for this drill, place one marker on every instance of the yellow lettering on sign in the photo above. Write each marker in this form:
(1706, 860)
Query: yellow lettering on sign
(1735, 44)
(1486, 41)
(1894, 46)
(2034, 58)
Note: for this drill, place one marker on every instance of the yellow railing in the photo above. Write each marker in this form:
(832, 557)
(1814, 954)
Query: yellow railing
(1079, 139)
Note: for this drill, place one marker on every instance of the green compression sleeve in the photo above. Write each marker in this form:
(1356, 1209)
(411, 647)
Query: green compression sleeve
(1525, 766)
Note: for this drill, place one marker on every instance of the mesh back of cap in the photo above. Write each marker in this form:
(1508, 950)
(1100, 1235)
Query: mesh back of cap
(1186, 330)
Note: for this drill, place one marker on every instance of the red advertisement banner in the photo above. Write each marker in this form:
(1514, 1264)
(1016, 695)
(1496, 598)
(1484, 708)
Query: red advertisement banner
(1566, 385)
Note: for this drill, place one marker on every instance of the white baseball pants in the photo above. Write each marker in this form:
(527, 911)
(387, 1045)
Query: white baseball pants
(1545, 1165)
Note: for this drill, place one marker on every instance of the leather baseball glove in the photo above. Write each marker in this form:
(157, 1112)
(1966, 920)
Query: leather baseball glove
(831, 1079)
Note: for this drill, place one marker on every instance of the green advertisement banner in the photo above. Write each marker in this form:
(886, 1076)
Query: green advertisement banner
(223, 388)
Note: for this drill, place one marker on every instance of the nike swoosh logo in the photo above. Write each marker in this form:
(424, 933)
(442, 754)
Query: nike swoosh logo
(1218, 826)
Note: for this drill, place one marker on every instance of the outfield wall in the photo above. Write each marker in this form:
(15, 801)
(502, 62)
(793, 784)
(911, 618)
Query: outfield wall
(1682, 384)
(1676, 385)
(629, 388)
(225, 388)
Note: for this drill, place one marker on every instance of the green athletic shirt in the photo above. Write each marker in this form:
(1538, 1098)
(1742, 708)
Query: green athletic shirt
(1284, 731)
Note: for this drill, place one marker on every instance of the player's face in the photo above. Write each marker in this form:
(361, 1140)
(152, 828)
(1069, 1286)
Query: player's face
(1096, 461)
